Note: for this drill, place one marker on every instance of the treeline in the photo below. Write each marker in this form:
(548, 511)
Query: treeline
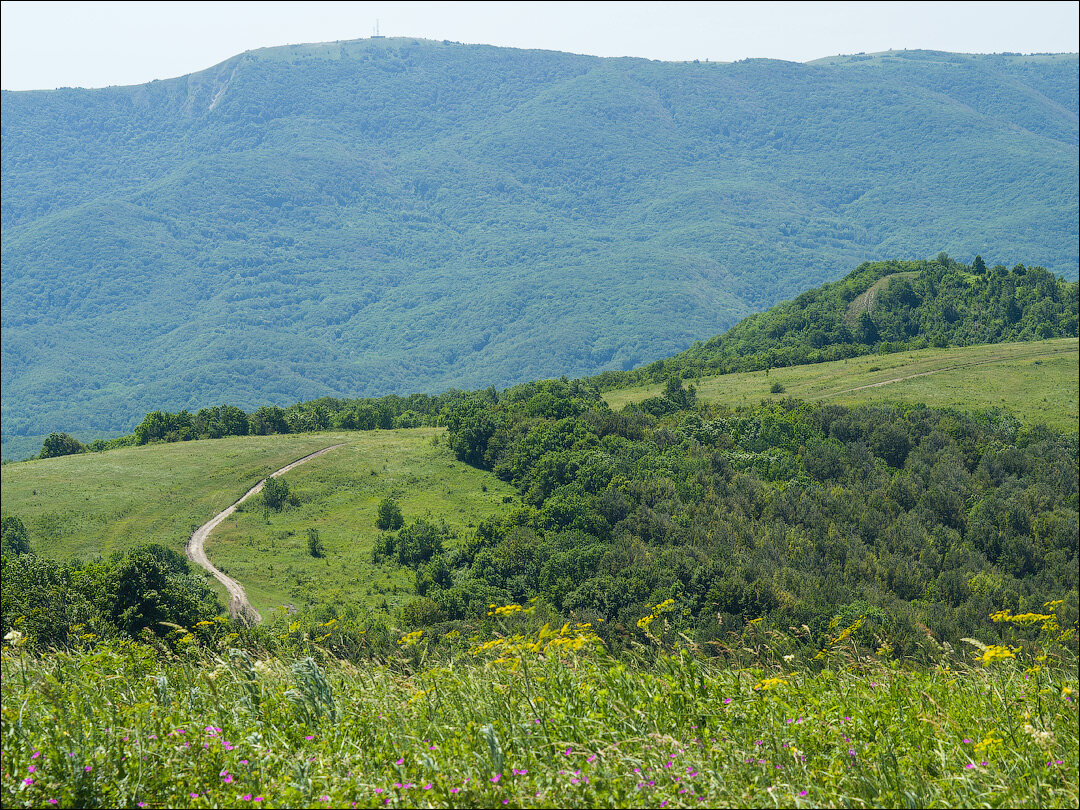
(150, 589)
(920, 521)
(882, 307)
(327, 413)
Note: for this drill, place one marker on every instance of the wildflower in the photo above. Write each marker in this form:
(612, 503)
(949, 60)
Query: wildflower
(400, 761)
(31, 769)
(324, 798)
(769, 683)
(310, 737)
(88, 768)
(193, 795)
(803, 792)
(996, 652)
(246, 797)
(28, 781)
(727, 701)
(35, 755)
(454, 790)
(495, 779)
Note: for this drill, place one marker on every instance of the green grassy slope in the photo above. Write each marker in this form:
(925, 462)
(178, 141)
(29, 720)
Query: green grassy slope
(1038, 381)
(92, 505)
(392, 215)
(338, 496)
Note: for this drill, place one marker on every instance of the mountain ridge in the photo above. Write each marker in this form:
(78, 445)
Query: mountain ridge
(284, 225)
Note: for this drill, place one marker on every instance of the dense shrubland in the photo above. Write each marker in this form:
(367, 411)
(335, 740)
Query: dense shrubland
(150, 589)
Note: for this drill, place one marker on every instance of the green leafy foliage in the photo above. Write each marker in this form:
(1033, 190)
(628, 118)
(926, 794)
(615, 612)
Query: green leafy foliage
(145, 590)
(788, 511)
(60, 444)
(388, 516)
(14, 539)
(883, 307)
(275, 494)
(315, 544)
(356, 218)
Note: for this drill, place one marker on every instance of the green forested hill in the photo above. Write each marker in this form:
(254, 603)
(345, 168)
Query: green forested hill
(392, 215)
(883, 307)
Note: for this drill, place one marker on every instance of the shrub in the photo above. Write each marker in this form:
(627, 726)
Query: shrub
(389, 515)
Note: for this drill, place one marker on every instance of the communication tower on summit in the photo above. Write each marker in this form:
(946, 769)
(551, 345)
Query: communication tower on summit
(377, 35)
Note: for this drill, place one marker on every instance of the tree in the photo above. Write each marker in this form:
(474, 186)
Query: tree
(275, 494)
(61, 444)
(389, 515)
(314, 544)
(681, 398)
(14, 539)
(152, 428)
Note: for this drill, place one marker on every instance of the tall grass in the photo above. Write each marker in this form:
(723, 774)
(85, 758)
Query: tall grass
(530, 717)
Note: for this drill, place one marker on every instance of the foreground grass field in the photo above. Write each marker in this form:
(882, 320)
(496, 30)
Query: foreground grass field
(539, 719)
(1038, 381)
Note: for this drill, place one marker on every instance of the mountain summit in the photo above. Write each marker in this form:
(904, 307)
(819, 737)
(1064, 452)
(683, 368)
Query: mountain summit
(362, 217)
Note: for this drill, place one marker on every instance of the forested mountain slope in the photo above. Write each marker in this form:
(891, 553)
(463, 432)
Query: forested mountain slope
(392, 215)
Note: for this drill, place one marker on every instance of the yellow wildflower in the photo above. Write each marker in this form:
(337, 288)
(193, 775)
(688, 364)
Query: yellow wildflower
(769, 683)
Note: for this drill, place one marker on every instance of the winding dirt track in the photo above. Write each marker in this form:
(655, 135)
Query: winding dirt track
(239, 606)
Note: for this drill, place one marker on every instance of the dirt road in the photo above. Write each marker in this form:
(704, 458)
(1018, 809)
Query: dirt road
(196, 552)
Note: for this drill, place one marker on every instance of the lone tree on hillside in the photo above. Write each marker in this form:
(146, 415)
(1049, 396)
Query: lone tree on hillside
(389, 515)
(275, 494)
(315, 545)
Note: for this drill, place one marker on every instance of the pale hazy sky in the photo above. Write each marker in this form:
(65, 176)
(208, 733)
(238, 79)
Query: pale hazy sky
(46, 45)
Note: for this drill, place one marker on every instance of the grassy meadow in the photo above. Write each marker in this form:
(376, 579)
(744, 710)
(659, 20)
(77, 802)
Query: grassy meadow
(337, 495)
(1038, 381)
(535, 717)
(94, 504)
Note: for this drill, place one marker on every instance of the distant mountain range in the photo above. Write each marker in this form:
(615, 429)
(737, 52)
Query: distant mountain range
(392, 215)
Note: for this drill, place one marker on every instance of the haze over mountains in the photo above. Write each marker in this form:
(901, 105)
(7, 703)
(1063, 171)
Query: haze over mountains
(393, 215)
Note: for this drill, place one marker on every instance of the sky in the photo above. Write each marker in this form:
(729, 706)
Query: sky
(47, 45)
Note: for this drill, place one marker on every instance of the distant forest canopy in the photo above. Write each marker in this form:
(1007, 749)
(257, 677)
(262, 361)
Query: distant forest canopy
(882, 307)
(361, 218)
(878, 307)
